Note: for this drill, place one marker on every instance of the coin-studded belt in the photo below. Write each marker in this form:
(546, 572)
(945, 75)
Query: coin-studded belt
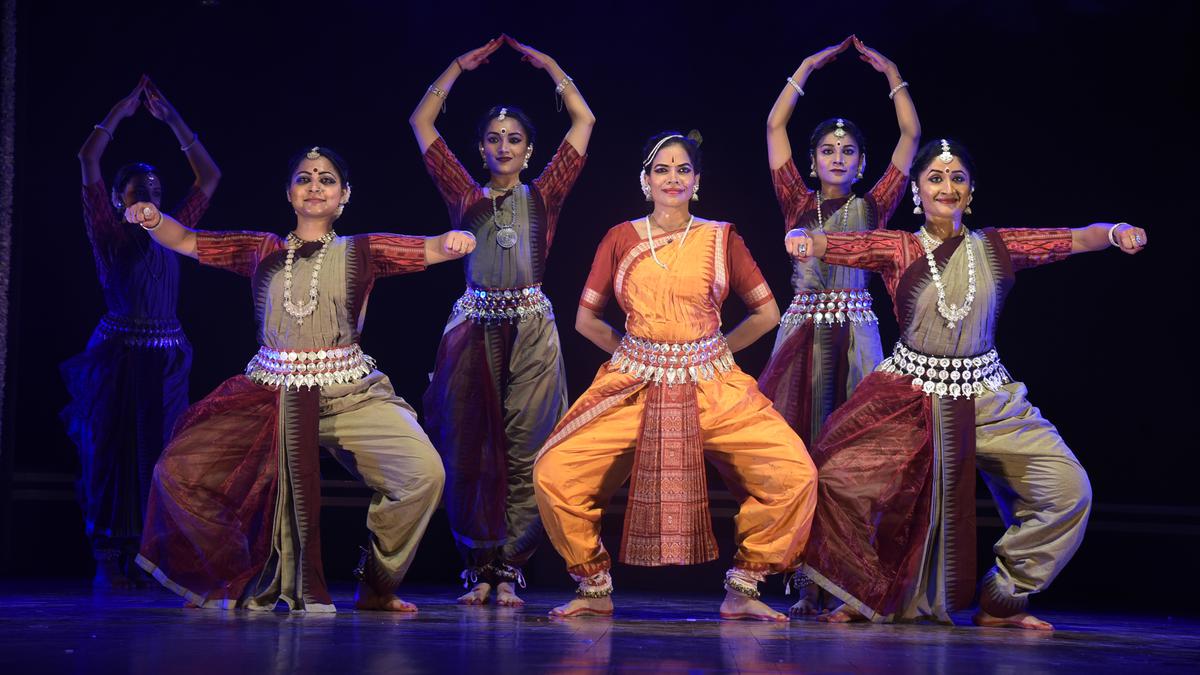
(488, 305)
(954, 376)
(826, 308)
(672, 362)
(309, 368)
(140, 332)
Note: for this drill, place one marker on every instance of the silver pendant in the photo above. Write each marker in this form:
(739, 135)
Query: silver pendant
(506, 237)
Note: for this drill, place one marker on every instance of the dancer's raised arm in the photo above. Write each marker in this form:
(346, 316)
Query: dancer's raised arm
(423, 119)
(779, 146)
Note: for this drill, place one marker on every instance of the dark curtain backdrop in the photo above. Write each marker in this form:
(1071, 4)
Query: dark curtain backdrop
(1075, 111)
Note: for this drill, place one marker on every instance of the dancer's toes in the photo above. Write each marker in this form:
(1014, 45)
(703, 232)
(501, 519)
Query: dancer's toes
(506, 595)
(477, 595)
(738, 606)
(584, 607)
(843, 614)
(1022, 620)
(368, 599)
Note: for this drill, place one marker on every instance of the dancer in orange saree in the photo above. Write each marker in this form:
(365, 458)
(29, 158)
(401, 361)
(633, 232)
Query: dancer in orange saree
(670, 397)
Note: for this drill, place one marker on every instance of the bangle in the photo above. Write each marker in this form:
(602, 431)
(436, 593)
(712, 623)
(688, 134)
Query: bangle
(195, 140)
(892, 93)
(155, 225)
(563, 84)
(437, 91)
(1112, 230)
(800, 230)
(795, 85)
(101, 127)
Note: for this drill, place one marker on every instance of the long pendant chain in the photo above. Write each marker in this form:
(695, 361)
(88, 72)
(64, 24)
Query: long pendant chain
(845, 212)
(650, 238)
(294, 242)
(506, 235)
(952, 313)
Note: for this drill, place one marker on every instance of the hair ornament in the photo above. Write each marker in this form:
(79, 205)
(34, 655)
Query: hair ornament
(314, 153)
(503, 114)
(695, 137)
(946, 156)
(658, 146)
(840, 131)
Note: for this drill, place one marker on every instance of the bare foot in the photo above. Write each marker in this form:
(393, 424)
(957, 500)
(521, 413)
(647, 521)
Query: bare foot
(1023, 620)
(843, 614)
(738, 606)
(506, 595)
(809, 602)
(585, 607)
(367, 598)
(477, 595)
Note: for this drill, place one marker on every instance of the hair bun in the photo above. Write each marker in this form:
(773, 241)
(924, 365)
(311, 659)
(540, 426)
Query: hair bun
(695, 137)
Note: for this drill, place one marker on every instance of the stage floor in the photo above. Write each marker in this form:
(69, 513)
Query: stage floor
(75, 630)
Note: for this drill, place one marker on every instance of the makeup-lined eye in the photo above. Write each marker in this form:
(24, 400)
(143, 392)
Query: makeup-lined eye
(515, 139)
(826, 151)
(848, 151)
(935, 178)
(958, 178)
(328, 180)
(685, 169)
(492, 138)
(301, 179)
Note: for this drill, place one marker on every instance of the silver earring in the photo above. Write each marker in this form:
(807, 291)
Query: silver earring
(645, 185)
(340, 208)
(812, 170)
(916, 199)
(696, 192)
(862, 165)
(968, 209)
(527, 156)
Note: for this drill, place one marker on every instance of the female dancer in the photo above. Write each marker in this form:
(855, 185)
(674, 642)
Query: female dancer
(894, 532)
(499, 385)
(232, 518)
(131, 383)
(670, 396)
(829, 337)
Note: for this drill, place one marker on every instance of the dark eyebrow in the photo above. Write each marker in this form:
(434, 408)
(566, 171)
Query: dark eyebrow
(667, 166)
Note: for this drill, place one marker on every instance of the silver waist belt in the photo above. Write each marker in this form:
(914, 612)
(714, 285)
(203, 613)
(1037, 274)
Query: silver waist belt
(309, 368)
(836, 306)
(954, 376)
(139, 332)
(672, 362)
(507, 304)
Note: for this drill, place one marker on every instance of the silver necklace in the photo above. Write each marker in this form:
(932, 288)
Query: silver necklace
(845, 212)
(650, 238)
(952, 313)
(293, 243)
(506, 236)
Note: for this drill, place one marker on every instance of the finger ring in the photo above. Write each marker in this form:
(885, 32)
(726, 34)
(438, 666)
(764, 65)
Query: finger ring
(147, 211)
(1137, 239)
(803, 248)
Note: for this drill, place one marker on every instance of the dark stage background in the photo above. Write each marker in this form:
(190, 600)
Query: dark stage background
(1075, 111)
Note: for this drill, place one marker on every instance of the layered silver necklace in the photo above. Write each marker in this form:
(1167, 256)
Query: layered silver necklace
(951, 313)
(506, 235)
(845, 212)
(294, 242)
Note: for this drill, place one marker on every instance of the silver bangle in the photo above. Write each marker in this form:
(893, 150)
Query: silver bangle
(1112, 230)
(155, 226)
(437, 91)
(795, 85)
(563, 84)
(195, 140)
(892, 93)
(101, 127)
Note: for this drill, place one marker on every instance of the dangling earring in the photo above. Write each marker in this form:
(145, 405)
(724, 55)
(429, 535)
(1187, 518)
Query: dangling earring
(483, 158)
(340, 208)
(528, 154)
(916, 199)
(968, 209)
(862, 164)
(696, 192)
(645, 184)
(812, 166)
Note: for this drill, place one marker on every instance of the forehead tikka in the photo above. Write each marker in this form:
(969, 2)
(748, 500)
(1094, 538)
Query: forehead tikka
(313, 153)
(946, 156)
(503, 114)
(840, 131)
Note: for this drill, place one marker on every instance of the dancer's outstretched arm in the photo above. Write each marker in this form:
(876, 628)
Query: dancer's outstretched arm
(97, 141)
(423, 119)
(203, 167)
(906, 112)
(582, 119)
(779, 147)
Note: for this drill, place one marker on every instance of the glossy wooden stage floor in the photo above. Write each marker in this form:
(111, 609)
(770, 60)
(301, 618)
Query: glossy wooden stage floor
(74, 630)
